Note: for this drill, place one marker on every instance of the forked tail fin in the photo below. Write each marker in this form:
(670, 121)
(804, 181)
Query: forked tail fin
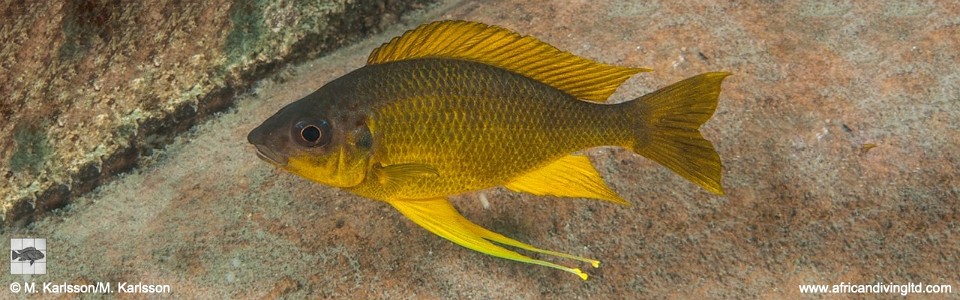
(668, 128)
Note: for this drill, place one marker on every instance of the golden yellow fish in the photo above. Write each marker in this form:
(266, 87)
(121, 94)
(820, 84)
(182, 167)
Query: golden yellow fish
(454, 106)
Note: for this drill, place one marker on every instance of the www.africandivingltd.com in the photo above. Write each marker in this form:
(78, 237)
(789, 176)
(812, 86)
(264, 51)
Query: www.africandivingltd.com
(876, 288)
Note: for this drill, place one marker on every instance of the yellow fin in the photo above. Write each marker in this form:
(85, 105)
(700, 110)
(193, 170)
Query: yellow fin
(570, 176)
(392, 177)
(439, 217)
(525, 55)
(668, 128)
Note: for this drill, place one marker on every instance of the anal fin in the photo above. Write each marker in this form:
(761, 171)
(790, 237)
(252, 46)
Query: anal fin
(571, 176)
(441, 218)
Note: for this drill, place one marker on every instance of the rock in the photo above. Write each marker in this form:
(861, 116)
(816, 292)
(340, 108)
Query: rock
(99, 84)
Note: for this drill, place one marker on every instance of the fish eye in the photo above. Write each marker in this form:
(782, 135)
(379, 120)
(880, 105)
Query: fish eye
(312, 133)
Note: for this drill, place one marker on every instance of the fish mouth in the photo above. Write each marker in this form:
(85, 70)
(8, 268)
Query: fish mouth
(270, 156)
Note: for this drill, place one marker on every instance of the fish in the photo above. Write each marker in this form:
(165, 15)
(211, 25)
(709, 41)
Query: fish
(454, 106)
(28, 253)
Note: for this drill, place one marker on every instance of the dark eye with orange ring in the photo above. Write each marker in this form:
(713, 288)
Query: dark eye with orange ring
(312, 133)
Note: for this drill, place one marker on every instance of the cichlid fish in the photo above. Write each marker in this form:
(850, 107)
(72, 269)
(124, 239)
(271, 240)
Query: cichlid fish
(455, 106)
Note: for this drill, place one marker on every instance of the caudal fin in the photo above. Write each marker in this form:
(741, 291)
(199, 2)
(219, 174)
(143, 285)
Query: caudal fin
(668, 131)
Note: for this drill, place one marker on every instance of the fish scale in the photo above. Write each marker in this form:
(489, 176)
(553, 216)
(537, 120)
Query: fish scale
(504, 115)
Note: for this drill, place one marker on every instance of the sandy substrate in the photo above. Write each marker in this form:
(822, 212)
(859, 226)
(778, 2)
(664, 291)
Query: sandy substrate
(837, 132)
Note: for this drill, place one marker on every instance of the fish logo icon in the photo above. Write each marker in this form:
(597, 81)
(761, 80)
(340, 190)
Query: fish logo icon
(28, 256)
(28, 253)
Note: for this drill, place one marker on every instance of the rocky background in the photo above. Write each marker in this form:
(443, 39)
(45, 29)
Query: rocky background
(838, 133)
(90, 86)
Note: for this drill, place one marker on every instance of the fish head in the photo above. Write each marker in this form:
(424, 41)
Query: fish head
(320, 138)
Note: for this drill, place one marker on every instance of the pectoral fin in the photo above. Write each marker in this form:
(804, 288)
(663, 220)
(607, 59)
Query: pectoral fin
(441, 218)
(571, 176)
(392, 177)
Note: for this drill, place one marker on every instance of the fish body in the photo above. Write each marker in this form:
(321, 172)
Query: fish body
(454, 106)
(478, 133)
(28, 253)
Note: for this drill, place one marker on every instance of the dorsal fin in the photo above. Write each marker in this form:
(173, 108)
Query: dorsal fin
(525, 55)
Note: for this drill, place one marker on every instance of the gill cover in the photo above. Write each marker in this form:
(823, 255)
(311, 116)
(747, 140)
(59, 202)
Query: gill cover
(343, 163)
